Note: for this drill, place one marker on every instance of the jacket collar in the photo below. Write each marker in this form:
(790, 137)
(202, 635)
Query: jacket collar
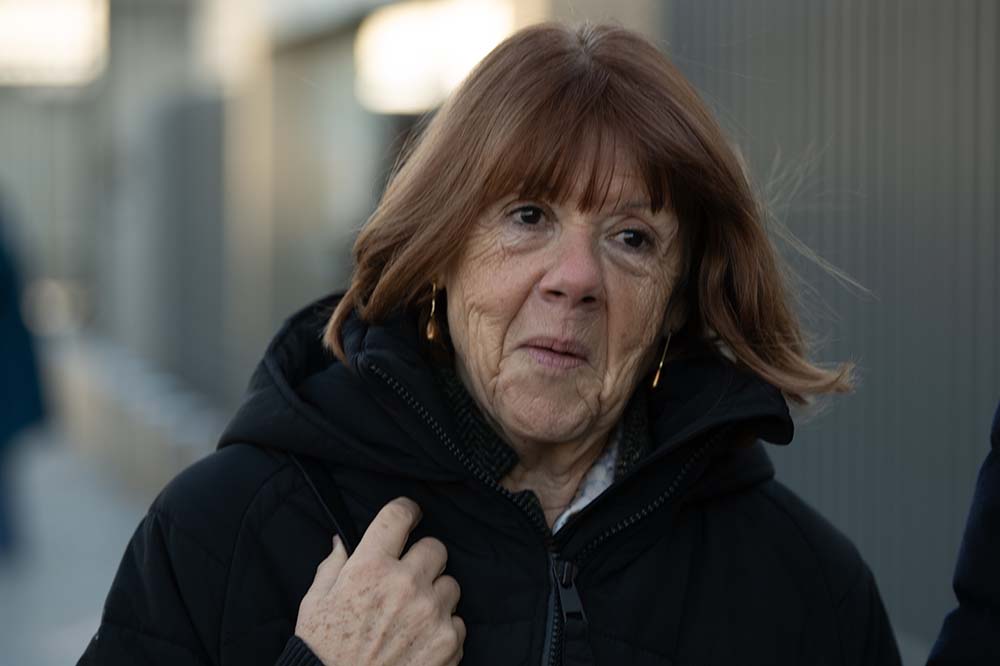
(302, 399)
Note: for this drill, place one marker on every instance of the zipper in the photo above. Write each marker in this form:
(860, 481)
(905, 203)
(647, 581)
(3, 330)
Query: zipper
(537, 522)
(564, 598)
(696, 456)
(552, 630)
(564, 602)
(568, 608)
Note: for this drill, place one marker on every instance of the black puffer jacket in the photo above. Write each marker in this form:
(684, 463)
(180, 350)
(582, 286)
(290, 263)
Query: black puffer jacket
(696, 557)
(971, 632)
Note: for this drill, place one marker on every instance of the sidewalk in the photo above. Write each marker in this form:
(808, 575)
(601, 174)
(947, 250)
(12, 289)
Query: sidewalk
(75, 524)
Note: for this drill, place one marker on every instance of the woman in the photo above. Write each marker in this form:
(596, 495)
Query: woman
(531, 422)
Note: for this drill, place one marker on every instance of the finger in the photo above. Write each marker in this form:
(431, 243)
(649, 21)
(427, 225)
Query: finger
(459, 626)
(390, 529)
(329, 569)
(426, 558)
(448, 593)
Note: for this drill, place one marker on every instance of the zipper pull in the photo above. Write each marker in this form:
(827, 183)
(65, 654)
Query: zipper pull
(574, 643)
(569, 598)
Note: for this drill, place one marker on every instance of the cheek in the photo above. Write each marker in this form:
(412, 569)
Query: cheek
(484, 296)
(476, 330)
(635, 321)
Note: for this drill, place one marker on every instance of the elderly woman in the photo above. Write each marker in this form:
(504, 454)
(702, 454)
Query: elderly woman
(528, 433)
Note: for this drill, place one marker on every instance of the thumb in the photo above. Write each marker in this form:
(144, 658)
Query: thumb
(329, 569)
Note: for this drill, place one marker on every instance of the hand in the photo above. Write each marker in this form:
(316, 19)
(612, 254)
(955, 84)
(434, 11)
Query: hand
(376, 607)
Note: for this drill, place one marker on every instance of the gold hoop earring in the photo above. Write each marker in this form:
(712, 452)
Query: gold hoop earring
(432, 327)
(659, 368)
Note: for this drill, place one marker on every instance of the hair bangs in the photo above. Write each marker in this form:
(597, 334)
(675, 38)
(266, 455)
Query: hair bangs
(588, 115)
(591, 156)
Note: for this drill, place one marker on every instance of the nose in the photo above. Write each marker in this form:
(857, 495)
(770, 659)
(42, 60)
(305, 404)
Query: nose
(574, 277)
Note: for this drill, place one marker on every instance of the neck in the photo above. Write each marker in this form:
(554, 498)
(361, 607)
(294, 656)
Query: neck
(553, 471)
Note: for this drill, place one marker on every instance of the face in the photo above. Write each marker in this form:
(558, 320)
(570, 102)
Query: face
(556, 313)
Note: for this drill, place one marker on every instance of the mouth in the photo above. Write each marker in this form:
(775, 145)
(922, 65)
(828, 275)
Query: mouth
(558, 353)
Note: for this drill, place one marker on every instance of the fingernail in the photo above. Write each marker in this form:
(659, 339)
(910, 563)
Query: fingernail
(336, 542)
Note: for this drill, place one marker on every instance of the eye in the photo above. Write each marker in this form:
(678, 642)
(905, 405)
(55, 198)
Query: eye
(528, 215)
(634, 238)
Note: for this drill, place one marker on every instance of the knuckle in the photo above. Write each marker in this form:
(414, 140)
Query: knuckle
(402, 582)
(446, 642)
(447, 590)
(435, 546)
(369, 574)
(400, 511)
(409, 586)
(455, 636)
(424, 608)
(374, 567)
(429, 551)
(379, 567)
(363, 569)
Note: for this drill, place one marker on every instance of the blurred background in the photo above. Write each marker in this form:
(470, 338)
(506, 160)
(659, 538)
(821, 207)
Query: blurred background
(177, 176)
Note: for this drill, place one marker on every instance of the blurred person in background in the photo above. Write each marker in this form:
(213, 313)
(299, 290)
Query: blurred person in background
(971, 632)
(530, 431)
(21, 403)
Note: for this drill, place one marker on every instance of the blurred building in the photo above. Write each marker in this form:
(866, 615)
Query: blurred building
(877, 127)
(197, 170)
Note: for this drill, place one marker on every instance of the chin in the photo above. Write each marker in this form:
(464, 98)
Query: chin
(544, 406)
(548, 420)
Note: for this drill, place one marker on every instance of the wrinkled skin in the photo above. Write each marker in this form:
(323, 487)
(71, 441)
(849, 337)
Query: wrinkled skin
(596, 280)
(380, 606)
(555, 314)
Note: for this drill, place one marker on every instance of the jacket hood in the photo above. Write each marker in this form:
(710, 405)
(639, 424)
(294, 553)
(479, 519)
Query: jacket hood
(383, 412)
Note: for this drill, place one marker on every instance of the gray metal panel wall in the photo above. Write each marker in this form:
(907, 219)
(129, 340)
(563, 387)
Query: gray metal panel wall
(889, 112)
(189, 227)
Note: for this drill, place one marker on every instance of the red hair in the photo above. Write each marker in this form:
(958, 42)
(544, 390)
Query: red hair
(543, 113)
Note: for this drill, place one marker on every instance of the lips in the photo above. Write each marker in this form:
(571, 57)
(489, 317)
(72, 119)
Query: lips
(559, 353)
